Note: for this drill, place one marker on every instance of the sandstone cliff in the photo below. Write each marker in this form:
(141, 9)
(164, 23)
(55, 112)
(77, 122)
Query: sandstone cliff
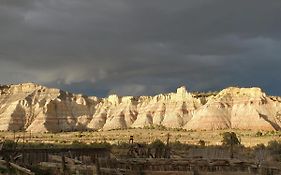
(39, 109)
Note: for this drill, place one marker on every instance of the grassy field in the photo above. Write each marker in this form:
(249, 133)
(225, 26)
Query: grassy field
(248, 138)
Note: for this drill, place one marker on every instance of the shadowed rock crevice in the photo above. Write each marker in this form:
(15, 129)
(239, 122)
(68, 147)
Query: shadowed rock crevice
(274, 125)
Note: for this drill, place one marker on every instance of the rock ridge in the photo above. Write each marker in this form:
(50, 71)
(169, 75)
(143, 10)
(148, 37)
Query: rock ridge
(36, 108)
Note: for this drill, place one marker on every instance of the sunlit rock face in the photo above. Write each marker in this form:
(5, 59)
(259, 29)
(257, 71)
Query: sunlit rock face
(171, 110)
(36, 108)
(239, 108)
(40, 109)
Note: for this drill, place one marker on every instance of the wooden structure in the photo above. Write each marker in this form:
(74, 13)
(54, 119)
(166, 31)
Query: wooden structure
(184, 166)
(28, 156)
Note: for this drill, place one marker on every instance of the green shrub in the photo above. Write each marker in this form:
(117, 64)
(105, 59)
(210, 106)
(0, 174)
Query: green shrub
(158, 127)
(202, 143)
(230, 138)
(258, 134)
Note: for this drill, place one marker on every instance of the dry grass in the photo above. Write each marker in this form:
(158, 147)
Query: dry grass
(248, 138)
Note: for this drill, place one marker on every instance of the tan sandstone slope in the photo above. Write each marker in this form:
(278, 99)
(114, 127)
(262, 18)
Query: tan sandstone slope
(39, 109)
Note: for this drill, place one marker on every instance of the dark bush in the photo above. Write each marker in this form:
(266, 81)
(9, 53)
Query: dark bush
(230, 138)
(201, 142)
(258, 134)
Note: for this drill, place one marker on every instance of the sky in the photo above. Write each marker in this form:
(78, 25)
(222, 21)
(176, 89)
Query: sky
(138, 47)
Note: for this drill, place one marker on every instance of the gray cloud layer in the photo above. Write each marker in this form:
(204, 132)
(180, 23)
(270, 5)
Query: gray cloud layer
(141, 47)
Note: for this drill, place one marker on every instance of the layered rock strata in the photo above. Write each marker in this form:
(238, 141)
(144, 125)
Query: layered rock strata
(36, 108)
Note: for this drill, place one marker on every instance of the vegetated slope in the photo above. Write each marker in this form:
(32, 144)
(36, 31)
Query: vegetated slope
(39, 109)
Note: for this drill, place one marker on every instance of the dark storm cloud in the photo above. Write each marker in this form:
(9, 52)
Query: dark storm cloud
(141, 47)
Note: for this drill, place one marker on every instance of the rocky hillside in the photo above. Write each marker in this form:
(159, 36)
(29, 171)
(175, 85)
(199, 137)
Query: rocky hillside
(39, 109)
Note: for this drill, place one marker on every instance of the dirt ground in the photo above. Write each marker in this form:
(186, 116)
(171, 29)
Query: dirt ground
(248, 138)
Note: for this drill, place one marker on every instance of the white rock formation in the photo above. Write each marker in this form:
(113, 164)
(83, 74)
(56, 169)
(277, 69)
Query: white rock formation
(39, 109)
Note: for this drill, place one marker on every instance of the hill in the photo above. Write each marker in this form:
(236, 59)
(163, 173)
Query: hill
(36, 108)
